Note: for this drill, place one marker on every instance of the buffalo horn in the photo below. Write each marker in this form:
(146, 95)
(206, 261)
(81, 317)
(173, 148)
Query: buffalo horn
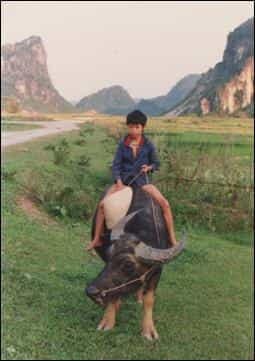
(149, 254)
(118, 229)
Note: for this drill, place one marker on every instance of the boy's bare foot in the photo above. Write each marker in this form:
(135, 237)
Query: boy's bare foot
(94, 244)
(173, 242)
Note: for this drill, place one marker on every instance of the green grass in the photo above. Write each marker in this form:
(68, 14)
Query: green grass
(203, 304)
(15, 127)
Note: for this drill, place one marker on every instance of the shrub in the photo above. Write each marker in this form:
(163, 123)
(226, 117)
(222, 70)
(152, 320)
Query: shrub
(61, 151)
(206, 185)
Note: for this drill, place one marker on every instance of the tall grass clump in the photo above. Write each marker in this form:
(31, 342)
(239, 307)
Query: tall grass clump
(65, 186)
(206, 183)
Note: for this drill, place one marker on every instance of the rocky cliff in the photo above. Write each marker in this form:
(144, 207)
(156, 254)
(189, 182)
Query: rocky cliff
(229, 86)
(160, 104)
(25, 76)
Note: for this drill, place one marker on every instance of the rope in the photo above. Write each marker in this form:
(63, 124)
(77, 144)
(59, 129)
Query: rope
(132, 180)
(152, 204)
(141, 278)
(153, 212)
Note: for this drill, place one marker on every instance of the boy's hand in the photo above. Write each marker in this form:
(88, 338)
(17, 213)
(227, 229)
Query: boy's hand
(89, 247)
(146, 168)
(119, 185)
(92, 245)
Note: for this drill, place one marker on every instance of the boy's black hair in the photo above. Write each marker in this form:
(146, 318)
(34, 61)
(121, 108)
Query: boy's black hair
(136, 117)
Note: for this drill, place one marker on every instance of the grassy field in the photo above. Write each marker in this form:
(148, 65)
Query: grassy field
(207, 124)
(16, 127)
(203, 307)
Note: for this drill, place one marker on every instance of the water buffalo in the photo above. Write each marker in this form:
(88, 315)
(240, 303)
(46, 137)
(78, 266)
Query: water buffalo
(134, 253)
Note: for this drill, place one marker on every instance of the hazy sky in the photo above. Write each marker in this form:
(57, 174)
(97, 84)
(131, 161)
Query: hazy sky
(144, 46)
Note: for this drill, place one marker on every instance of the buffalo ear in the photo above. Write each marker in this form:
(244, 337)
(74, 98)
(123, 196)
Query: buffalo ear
(118, 229)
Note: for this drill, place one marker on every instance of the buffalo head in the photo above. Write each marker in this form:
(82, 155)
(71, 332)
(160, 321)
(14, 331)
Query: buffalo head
(132, 252)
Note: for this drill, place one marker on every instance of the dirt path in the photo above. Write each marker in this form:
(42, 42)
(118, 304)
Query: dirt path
(49, 127)
(31, 209)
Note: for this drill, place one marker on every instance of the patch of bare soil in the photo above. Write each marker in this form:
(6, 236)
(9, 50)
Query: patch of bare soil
(30, 208)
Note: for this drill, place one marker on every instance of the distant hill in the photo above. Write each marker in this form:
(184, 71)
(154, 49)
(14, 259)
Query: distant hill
(149, 107)
(73, 102)
(25, 77)
(112, 100)
(229, 86)
(158, 105)
(116, 100)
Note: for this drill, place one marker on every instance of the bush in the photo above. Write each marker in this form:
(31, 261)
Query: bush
(206, 185)
(11, 105)
(62, 191)
(65, 188)
(61, 151)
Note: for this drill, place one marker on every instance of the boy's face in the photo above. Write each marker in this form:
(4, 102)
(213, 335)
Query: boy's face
(135, 130)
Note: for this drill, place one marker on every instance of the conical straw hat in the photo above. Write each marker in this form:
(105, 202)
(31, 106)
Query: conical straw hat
(116, 206)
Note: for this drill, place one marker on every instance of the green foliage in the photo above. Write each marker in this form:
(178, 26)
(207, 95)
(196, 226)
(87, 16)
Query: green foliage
(8, 175)
(85, 133)
(80, 142)
(60, 151)
(87, 130)
(205, 184)
(63, 191)
(203, 306)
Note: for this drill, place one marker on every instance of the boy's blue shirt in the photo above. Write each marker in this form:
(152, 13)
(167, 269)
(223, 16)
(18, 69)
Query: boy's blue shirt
(125, 166)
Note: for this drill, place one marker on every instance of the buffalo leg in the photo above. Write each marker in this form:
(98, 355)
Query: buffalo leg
(109, 319)
(148, 329)
(139, 295)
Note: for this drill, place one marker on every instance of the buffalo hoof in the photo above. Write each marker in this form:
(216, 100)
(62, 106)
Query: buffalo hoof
(149, 331)
(105, 325)
(108, 321)
(140, 301)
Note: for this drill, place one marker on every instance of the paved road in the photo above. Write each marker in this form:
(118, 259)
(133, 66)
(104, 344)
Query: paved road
(49, 127)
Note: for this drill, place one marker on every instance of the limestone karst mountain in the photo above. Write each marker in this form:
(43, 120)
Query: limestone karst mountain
(158, 105)
(25, 77)
(111, 100)
(116, 100)
(228, 87)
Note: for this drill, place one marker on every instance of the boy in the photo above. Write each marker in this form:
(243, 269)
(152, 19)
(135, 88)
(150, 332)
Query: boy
(135, 153)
